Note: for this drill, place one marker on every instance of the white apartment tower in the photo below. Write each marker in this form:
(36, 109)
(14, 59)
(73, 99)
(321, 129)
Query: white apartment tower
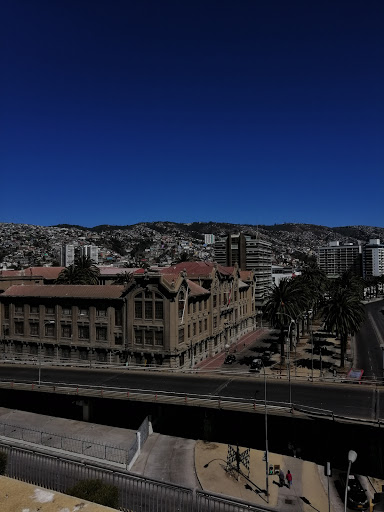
(335, 259)
(373, 258)
(91, 252)
(209, 239)
(67, 255)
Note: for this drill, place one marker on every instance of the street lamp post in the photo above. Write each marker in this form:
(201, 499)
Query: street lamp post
(311, 335)
(352, 456)
(40, 343)
(266, 433)
(292, 321)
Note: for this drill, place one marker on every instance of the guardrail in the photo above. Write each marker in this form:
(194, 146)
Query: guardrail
(275, 374)
(66, 443)
(135, 492)
(190, 399)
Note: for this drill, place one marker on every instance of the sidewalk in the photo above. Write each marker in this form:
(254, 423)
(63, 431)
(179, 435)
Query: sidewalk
(306, 494)
(245, 341)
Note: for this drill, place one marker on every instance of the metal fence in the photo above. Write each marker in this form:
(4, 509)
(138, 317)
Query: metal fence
(135, 493)
(69, 444)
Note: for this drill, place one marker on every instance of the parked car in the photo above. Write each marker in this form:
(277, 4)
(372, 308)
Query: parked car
(266, 356)
(230, 359)
(357, 498)
(255, 365)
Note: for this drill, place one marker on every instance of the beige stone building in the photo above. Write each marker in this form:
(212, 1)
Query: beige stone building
(175, 317)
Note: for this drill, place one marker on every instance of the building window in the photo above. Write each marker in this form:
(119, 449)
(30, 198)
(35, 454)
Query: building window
(148, 310)
(189, 331)
(66, 331)
(181, 304)
(34, 329)
(6, 311)
(118, 317)
(214, 322)
(138, 337)
(101, 333)
(205, 324)
(214, 300)
(34, 310)
(49, 330)
(19, 327)
(83, 331)
(235, 296)
(118, 339)
(200, 326)
(83, 311)
(49, 310)
(19, 309)
(101, 312)
(194, 328)
(159, 310)
(67, 310)
(148, 337)
(138, 309)
(153, 308)
(181, 335)
(159, 338)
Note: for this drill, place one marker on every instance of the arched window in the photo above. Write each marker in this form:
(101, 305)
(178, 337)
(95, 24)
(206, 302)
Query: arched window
(181, 303)
(149, 305)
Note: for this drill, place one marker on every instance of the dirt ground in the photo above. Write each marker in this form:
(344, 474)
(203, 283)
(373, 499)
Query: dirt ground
(16, 496)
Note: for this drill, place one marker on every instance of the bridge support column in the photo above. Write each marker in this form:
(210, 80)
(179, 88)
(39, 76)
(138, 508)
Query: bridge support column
(87, 409)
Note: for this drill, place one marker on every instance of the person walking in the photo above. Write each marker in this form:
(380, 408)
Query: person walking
(281, 478)
(288, 476)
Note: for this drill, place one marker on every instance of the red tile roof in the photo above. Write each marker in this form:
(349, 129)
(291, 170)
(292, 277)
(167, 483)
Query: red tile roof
(197, 268)
(195, 290)
(63, 290)
(246, 274)
(33, 272)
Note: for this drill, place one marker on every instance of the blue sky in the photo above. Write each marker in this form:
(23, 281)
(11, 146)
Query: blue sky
(259, 112)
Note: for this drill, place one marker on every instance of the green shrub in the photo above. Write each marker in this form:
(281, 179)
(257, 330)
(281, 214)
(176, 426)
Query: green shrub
(3, 462)
(97, 492)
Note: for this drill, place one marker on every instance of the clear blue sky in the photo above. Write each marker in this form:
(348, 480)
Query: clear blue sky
(260, 112)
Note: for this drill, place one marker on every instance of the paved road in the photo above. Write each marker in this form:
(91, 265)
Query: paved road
(368, 354)
(357, 401)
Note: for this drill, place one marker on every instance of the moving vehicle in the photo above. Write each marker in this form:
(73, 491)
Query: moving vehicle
(357, 498)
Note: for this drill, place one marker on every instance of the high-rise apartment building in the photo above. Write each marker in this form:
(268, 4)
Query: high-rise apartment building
(67, 255)
(335, 259)
(250, 253)
(373, 258)
(90, 251)
(209, 239)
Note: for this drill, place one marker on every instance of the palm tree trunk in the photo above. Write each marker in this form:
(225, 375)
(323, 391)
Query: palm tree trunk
(343, 347)
(282, 341)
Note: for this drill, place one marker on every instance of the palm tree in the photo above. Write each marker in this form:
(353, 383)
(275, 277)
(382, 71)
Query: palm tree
(83, 271)
(285, 302)
(68, 276)
(344, 314)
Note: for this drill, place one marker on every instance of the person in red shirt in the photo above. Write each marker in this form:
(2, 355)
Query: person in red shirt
(288, 476)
